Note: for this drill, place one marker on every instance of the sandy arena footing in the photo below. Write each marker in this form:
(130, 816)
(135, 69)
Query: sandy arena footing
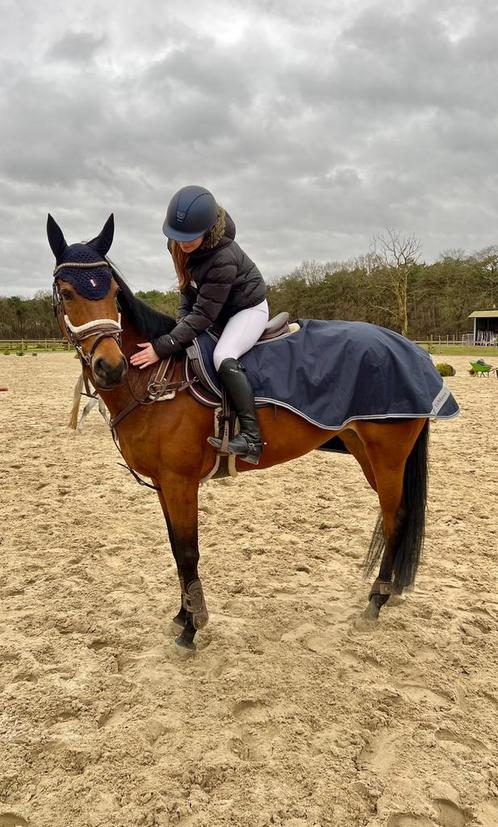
(293, 712)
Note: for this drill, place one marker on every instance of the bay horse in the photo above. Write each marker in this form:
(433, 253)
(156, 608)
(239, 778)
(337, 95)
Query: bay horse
(167, 441)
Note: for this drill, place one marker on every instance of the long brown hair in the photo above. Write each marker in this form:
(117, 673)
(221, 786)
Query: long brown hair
(180, 261)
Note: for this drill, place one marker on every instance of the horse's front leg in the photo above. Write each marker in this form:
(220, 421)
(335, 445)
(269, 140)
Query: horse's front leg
(180, 496)
(181, 618)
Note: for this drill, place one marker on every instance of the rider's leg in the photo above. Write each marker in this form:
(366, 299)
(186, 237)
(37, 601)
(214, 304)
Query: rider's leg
(240, 333)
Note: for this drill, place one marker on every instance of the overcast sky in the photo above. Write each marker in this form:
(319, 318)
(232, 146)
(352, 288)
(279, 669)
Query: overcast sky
(315, 124)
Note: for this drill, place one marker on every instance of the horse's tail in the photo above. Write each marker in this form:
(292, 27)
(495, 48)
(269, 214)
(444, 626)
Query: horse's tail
(411, 526)
(73, 419)
(412, 530)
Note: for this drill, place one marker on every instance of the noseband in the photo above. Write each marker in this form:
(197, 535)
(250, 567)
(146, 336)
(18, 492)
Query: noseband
(100, 328)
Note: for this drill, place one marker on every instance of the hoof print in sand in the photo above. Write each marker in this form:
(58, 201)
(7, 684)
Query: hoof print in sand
(112, 717)
(253, 748)
(458, 741)
(12, 820)
(250, 711)
(422, 694)
(380, 753)
(256, 737)
(488, 813)
(449, 814)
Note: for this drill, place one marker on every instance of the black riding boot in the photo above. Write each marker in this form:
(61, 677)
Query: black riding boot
(247, 444)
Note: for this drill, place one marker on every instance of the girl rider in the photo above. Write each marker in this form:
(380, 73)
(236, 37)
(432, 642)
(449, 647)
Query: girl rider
(218, 283)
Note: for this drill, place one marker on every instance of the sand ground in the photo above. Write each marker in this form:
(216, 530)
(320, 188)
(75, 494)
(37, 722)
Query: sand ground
(293, 712)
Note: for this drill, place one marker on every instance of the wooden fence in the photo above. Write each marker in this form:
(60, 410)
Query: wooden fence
(25, 345)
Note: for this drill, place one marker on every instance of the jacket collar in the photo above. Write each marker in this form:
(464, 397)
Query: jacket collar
(221, 235)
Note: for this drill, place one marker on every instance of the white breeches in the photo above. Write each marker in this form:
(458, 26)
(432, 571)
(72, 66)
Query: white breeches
(241, 332)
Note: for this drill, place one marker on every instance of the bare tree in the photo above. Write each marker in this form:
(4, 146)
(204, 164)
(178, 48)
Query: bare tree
(488, 260)
(395, 255)
(311, 271)
(368, 264)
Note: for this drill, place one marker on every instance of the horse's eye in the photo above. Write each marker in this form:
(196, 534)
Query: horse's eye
(66, 295)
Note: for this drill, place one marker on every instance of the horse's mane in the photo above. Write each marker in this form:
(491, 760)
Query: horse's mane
(148, 321)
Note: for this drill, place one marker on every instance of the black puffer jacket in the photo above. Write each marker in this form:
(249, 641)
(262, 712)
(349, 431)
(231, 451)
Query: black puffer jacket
(224, 281)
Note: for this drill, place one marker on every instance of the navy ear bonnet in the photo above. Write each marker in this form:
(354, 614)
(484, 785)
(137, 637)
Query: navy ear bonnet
(89, 282)
(93, 279)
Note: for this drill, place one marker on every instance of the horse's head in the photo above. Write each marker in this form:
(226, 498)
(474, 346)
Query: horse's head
(85, 304)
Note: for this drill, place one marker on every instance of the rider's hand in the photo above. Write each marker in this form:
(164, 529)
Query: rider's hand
(144, 358)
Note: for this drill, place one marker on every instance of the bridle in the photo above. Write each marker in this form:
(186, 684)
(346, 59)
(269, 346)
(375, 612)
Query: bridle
(160, 385)
(76, 334)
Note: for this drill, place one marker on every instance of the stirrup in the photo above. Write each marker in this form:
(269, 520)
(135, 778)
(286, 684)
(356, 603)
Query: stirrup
(250, 452)
(252, 458)
(215, 442)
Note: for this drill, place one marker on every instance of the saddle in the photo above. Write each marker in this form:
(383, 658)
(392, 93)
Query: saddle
(202, 388)
(278, 326)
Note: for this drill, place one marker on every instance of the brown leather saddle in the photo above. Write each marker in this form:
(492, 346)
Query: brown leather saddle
(278, 326)
(201, 387)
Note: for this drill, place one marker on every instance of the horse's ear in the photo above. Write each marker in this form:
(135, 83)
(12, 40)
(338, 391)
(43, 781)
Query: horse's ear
(55, 238)
(102, 242)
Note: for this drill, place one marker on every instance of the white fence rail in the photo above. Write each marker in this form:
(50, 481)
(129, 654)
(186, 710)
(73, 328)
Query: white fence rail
(461, 339)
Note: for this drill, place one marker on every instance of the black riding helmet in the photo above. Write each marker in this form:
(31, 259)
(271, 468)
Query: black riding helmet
(191, 212)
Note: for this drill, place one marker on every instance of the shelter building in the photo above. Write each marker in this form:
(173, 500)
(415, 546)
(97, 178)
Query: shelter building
(485, 326)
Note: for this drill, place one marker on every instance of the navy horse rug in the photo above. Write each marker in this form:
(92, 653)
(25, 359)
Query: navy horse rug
(334, 372)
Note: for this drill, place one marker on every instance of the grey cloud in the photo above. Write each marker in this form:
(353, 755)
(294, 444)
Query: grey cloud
(315, 128)
(76, 47)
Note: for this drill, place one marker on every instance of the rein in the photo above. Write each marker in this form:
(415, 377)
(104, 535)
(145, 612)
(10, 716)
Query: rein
(159, 388)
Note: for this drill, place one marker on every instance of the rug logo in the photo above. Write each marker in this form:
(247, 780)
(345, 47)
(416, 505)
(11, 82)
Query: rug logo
(440, 400)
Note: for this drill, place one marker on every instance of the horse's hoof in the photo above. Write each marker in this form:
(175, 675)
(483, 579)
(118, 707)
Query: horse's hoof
(185, 642)
(185, 650)
(396, 599)
(372, 611)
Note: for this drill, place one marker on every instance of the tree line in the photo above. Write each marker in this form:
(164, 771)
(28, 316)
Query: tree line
(389, 286)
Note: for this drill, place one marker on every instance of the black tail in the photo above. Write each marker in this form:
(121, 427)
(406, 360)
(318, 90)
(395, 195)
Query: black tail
(411, 527)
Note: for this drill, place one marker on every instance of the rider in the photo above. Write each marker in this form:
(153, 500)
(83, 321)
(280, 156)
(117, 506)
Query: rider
(218, 283)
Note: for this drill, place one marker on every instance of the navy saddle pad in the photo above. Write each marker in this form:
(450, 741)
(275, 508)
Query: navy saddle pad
(334, 372)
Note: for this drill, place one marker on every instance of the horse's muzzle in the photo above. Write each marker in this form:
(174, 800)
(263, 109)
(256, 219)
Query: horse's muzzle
(107, 375)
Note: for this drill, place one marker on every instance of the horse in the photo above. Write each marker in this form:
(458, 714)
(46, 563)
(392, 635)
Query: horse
(167, 441)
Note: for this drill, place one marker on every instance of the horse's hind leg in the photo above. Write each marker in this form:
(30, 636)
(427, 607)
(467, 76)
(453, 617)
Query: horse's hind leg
(355, 447)
(400, 472)
(386, 535)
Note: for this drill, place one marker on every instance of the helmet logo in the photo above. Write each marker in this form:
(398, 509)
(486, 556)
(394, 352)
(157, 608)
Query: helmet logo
(180, 215)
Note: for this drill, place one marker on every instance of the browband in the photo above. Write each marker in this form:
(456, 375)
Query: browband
(81, 264)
